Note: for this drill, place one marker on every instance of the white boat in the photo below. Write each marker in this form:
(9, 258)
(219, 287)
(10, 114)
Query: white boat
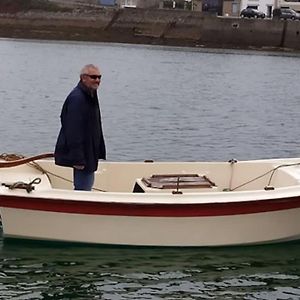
(154, 203)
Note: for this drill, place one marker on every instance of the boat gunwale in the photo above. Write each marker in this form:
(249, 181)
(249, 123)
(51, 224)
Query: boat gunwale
(201, 197)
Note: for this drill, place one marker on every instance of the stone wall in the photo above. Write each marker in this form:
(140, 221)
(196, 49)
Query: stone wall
(164, 27)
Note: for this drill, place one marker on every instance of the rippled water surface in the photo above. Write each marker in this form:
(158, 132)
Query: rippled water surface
(164, 104)
(159, 103)
(56, 271)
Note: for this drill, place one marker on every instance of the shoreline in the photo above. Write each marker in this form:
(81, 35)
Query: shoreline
(154, 27)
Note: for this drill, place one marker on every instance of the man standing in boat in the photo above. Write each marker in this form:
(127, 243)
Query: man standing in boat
(80, 142)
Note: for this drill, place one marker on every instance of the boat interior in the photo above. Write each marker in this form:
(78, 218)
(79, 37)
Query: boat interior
(162, 177)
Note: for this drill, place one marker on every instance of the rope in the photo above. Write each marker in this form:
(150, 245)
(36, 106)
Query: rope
(272, 171)
(11, 157)
(29, 186)
(22, 185)
(38, 167)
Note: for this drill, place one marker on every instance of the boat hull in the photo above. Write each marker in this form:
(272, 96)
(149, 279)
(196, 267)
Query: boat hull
(153, 227)
(254, 202)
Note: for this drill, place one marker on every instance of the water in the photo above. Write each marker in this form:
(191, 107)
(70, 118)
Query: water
(157, 103)
(49, 271)
(161, 103)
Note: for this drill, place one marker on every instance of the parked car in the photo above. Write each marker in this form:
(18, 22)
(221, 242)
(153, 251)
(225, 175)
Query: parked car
(252, 13)
(286, 13)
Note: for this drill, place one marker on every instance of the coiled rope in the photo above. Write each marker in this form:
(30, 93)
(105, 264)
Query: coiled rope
(11, 157)
(29, 187)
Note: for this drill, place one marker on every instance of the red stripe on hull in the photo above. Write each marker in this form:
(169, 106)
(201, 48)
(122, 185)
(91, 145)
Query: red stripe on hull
(149, 210)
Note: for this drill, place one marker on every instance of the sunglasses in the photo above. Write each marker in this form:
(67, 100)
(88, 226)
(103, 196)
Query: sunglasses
(94, 76)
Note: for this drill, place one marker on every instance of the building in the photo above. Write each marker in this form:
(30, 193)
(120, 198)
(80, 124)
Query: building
(215, 7)
(138, 3)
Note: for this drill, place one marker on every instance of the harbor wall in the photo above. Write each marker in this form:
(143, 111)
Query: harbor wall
(162, 27)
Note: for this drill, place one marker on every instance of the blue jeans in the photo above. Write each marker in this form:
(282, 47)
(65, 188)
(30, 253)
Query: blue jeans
(83, 180)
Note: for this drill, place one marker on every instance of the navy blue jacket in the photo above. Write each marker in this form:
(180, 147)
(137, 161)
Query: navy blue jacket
(80, 140)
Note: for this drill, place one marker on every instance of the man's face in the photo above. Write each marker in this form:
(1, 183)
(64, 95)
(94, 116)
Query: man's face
(91, 79)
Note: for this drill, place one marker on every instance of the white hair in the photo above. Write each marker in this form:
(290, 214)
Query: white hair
(86, 68)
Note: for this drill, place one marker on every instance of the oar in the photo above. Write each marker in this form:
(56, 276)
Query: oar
(7, 164)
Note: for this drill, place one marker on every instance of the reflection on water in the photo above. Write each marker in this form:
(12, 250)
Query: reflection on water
(159, 103)
(61, 271)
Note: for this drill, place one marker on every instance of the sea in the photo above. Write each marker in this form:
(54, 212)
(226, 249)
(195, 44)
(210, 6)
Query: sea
(165, 104)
